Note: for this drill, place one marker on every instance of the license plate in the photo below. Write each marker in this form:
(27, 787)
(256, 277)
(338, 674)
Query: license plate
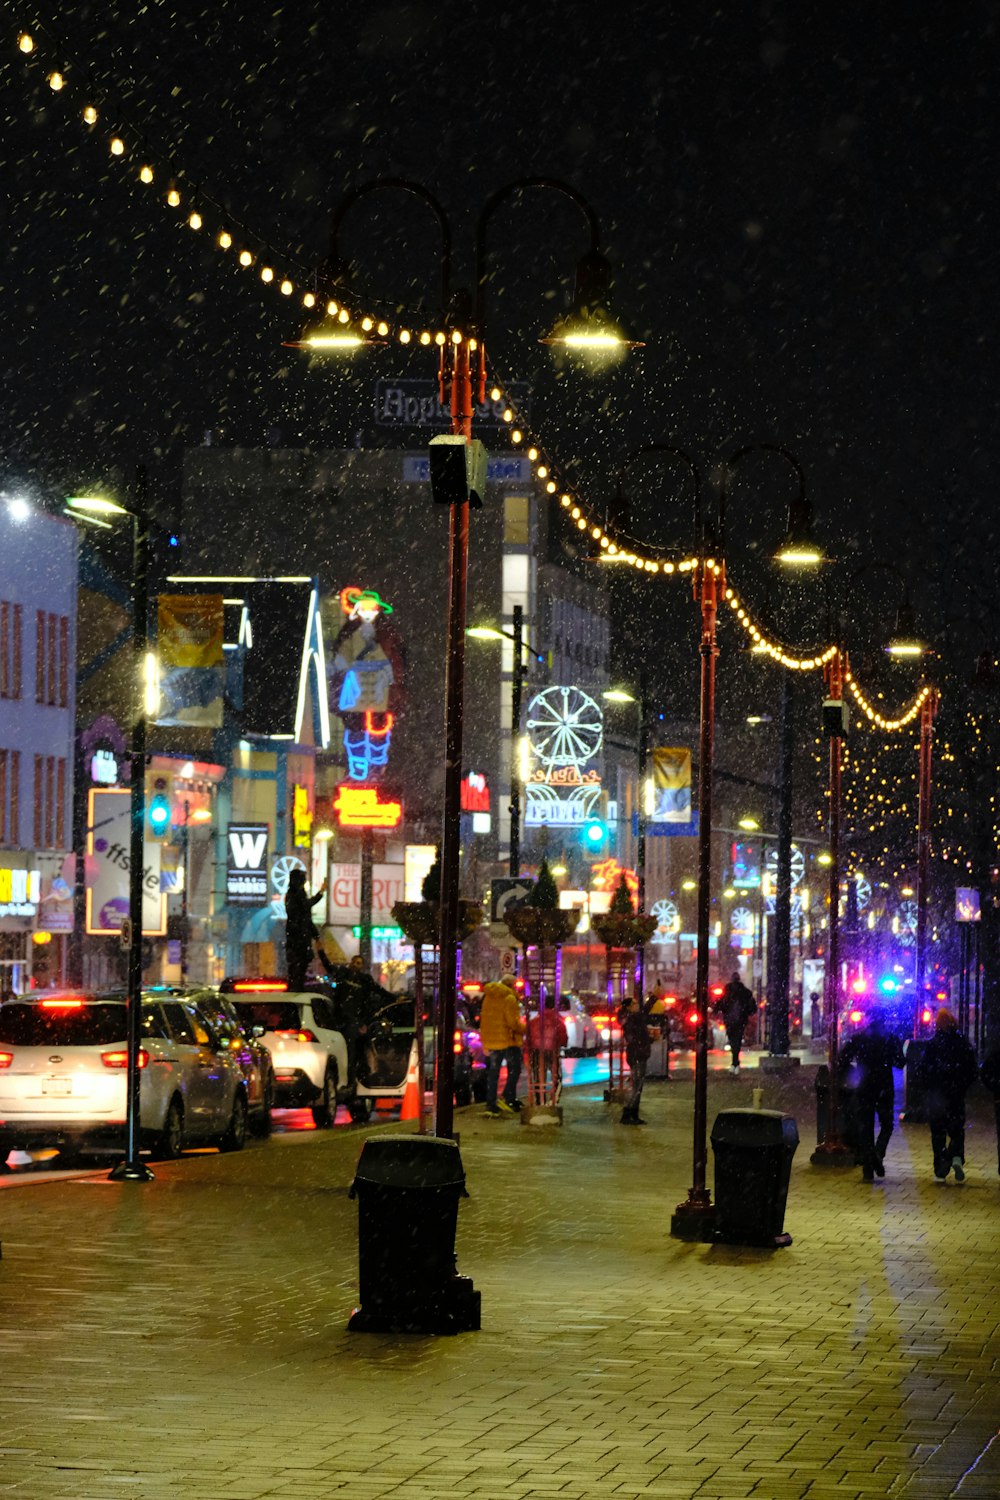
(57, 1085)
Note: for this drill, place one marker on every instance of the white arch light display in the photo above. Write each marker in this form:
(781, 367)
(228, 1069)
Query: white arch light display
(565, 732)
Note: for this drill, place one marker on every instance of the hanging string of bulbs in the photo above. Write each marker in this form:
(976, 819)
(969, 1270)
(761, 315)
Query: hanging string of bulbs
(127, 147)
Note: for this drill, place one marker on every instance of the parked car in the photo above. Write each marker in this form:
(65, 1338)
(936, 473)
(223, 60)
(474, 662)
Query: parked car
(307, 1048)
(63, 1070)
(251, 1054)
(582, 1036)
(470, 1058)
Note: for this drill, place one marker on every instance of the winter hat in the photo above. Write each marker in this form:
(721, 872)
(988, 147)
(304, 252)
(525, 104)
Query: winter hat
(946, 1021)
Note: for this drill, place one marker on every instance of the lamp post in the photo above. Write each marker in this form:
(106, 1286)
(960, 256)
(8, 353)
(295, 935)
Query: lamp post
(93, 508)
(619, 695)
(831, 1151)
(797, 550)
(462, 366)
(522, 654)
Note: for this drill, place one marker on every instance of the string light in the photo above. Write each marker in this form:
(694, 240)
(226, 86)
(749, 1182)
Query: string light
(89, 115)
(874, 717)
(25, 43)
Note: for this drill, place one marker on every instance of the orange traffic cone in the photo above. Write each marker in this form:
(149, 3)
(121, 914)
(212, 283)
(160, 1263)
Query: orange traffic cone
(412, 1097)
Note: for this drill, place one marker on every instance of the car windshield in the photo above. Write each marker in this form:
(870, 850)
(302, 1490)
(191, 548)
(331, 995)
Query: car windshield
(273, 1015)
(90, 1024)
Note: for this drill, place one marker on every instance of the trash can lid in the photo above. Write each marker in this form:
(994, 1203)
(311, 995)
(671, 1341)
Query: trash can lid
(754, 1127)
(411, 1161)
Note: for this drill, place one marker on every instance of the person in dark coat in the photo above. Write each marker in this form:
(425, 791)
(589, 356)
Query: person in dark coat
(300, 929)
(873, 1052)
(948, 1067)
(736, 1007)
(633, 1016)
(990, 1074)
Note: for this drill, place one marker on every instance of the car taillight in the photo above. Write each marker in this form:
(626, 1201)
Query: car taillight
(856, 1016)
(693, 1018)
(261, 986)
(925, 1017)
(456, 1042)
(601, 1020)
(63, 1004)
(670, 1000)
(6, 1058)
(119, 1058)
(306, 1036)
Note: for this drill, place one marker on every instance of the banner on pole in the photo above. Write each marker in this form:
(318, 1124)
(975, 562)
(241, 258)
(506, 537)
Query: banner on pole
(671, 785)
(189, 647)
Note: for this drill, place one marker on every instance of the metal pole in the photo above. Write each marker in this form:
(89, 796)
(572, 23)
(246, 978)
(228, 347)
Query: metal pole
(132, 1169)
(778, 1007)
(80, 800)
(184, 897)
(927, 712)
(640, 857)
(515, 731)
(365, 899)
(444, 1066)
(694, 1219)
(831, 1151)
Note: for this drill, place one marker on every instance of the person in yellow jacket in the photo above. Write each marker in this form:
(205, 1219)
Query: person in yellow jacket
(500, 1031)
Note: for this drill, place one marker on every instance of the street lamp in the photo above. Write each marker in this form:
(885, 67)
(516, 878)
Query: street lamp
(522, 651)
(97, 509)
(461, 366)
(619, 695)
(797, 550)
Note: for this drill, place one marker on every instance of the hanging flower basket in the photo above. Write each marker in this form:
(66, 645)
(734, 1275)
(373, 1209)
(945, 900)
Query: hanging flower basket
(541, 927)
(624, 932)
(421, 920)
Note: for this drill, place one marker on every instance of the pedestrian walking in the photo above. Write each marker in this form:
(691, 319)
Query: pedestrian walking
(500, 1031)
(546, 1038)
(990, 1074)
(948, 1067)
(873, 1053)
(633, 1017)
(736, 1007)
(301, 931)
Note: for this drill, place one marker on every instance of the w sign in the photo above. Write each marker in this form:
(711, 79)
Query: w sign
(246, 866)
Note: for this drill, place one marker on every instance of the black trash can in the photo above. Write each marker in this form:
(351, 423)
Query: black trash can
(753, 1162)
(408, 1187)
(915, 1091)
(847, 1111)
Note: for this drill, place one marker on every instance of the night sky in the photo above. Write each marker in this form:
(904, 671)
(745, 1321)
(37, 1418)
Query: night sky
(799, 201)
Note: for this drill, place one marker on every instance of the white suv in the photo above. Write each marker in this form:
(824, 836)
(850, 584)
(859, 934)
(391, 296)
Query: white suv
(63, 1069)
(307, 1050)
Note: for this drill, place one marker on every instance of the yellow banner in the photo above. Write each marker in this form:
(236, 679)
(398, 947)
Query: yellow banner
(189, 647)
(671, 785)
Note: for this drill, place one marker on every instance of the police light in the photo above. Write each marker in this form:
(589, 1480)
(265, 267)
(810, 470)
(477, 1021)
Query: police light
(888, 985)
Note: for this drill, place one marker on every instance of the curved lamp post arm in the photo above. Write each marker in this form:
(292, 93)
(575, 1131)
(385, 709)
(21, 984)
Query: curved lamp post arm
(500, 196)
(668, 448)
(800, 504)
(399, 184)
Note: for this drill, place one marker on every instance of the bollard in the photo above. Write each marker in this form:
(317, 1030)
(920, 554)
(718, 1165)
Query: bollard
(758, 1098)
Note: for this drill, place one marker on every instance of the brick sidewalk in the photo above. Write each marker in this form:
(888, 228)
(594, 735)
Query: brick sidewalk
(187, 1338)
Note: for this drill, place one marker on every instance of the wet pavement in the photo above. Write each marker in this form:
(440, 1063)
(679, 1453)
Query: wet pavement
(188, 1337)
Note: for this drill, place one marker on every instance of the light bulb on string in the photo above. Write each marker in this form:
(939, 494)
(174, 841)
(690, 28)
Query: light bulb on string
(89, 115)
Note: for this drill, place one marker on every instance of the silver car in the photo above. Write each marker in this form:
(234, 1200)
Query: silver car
(63, 1069)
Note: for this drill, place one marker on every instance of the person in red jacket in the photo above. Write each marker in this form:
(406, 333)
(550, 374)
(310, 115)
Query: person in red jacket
(546, 1039)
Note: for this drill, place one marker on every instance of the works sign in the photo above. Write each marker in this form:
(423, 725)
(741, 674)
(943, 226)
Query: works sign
(246, 864)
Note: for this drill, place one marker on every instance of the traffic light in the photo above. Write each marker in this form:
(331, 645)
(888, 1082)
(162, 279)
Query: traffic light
(158, 808)
(595, 833)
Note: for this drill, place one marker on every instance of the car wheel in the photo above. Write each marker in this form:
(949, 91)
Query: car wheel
(463, 1092)
(261, 1123)
(170, 1141)
(360, 1110)
(325, 1107)
(235, 1137)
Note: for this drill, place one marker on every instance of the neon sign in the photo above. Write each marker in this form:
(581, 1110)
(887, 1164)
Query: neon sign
(565, 732)
(359, 807)
(302, 818)
(20, 891)
(368, 664)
